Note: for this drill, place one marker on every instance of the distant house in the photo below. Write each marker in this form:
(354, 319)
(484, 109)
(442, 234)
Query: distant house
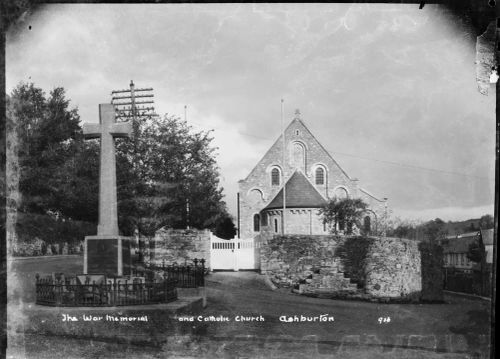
(456, 247)
(487, 236)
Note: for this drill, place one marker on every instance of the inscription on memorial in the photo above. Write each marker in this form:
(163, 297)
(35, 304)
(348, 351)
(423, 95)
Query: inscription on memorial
(102, 256)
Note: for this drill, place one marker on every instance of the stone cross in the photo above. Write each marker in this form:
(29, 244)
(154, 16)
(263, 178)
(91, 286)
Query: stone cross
(107, 130)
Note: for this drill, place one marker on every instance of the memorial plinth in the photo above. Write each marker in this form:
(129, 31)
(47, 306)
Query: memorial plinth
(109, 255)
(107, 252)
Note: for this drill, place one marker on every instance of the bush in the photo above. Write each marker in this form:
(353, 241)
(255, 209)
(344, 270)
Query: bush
(33, 248)
(353, 252)
(52, 230)
(432, 273)
(36, 232)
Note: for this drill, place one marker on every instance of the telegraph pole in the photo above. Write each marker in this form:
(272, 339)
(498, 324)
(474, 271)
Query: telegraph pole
(283, 220)
(128, 107)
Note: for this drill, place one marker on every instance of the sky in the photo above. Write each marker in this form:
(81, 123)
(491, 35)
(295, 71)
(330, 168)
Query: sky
(388, 89)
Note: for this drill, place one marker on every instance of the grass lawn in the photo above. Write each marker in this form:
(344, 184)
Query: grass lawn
(22, 273)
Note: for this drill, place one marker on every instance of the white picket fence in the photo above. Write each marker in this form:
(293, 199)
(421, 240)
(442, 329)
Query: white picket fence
(234, 254)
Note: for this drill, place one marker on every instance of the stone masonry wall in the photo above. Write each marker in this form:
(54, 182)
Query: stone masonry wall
(298, 221)
(393, 268)
(370, 268)
(306, 262)
(180, 246)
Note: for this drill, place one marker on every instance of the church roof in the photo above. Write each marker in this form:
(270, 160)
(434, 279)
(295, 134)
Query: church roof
(300, 193)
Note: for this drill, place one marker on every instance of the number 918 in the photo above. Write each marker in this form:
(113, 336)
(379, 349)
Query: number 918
(384, 320)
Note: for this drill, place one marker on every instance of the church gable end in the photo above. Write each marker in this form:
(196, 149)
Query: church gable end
(303, 154)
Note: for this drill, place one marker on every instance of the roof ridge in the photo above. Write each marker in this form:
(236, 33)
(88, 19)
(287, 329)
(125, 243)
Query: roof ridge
(280, 137)
(371, 195)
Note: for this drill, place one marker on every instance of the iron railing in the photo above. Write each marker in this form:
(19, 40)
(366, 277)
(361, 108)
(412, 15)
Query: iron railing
(96, 291)
(188, 276)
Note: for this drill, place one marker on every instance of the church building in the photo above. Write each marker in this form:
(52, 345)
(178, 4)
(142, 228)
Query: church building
(308, 176)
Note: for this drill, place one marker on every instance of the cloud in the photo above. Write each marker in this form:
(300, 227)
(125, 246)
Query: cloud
(378, 82)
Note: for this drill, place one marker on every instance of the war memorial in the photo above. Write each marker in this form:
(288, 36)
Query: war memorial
(109, 278)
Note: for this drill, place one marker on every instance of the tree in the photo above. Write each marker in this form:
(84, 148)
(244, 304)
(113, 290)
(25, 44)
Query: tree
(471, 228)
(49, 138)
(165, 169)
(405, 231)
(345, 212)
(167, 151)
(434, 229)
(476, 252)
(224, 227)
(405, 228)
(486, 222)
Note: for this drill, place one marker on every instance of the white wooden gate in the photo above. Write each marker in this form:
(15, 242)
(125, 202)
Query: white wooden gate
(234, 254)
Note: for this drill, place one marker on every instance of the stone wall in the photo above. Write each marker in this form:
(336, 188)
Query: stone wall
(393, 269)
(371, 268)
(298, 221)
(306, 262)
(180, 246)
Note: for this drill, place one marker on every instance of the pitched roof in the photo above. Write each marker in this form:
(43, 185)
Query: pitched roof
(464, 235)
(457, 245)
(371, 195)
(460, 242)
(300, 193)
(487, 235)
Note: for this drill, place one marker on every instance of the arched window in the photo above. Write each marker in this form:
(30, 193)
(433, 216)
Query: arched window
(276, 225)
(255, 196)
(367, 225)
(256, 223)
(264, 219)
(320, 176)
(341, 193)
(275, 177)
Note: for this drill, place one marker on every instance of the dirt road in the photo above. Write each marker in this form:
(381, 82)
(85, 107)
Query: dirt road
(246, 319)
